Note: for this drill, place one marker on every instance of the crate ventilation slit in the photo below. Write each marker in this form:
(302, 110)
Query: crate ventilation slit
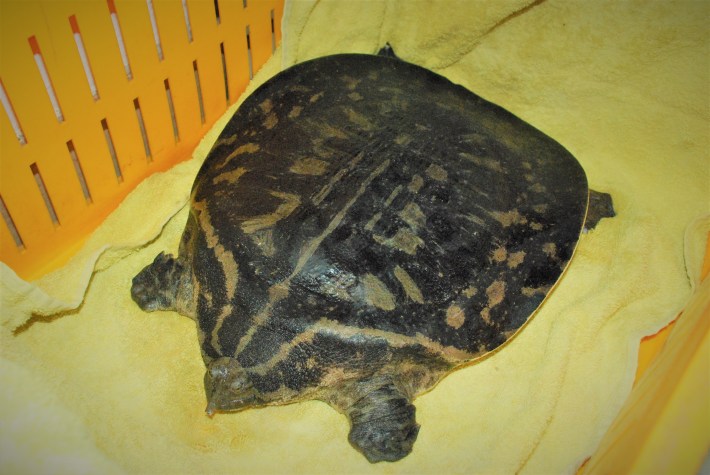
(84, 57)
(154, 25)
(12, 117)
(216, 11)
(39, 60)
(244, 3)
(11, 225)
(141, 125)
(188, 25)
(249, 57)
(273, 32)
(224, 71)
(79, 172)
(45, 195)
(112, 150)
(171, 108)
(119, 39)
(199, 91)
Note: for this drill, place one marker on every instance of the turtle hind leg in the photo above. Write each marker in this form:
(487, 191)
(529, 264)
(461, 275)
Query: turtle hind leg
(600, 206)
(158, 285)
(383, 425)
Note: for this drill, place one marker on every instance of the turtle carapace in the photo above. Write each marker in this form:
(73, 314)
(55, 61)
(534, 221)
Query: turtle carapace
(361, 227)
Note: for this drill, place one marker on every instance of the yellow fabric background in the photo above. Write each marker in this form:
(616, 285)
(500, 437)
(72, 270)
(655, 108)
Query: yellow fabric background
(92, 384)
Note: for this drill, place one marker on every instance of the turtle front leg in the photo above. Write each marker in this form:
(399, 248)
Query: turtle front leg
(382, 424)
(164, 284)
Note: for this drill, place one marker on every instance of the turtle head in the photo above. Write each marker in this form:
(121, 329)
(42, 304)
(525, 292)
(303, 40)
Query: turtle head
(228, 388)
(157, 286)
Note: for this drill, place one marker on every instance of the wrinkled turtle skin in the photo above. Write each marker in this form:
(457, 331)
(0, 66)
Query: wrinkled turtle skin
(361, 227)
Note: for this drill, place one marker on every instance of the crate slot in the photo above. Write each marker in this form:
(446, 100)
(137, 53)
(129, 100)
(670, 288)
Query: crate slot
(188, 25)
(79, 172)
(12, 117)
(154, 25)
(216, 11)
(141, 125)
(11, 225)
(224, 71)
(244, 3)
(39, 60)
(112, 150)
(171, 107)
(119, 39)
(273, 32)
(199, 91)
(84, 57)
(45, 195)
(249, 56)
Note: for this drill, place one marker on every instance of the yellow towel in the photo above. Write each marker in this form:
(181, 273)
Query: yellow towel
(93, 385)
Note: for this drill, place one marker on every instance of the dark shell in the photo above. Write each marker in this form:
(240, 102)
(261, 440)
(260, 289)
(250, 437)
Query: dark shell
(380, 196)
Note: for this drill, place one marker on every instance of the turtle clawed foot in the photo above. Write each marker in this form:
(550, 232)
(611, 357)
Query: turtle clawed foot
(384, 440)
(383, 425)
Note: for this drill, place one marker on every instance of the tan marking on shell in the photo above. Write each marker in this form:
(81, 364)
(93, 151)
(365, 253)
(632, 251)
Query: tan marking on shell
(393, 195)
(230, 269)
(403, 140)
(515, 259)
(214, 335)
(230, 177)
(410, 287)
(295, 112)
(271, 121)
(282, 353)
(550, 248)
(531, 291)
(486, 315)
(376, 293)
(540, 208)
(508, 218)
(280, 290)
(289, 205)
(538, 188)
(404, 240)
(309, 166)
(495, 293)
(264, 240)
(242, 149)
(455, 316)
(435, 172)
(266, 106)
(527, 166)
(416, 184)
(225, 141)
(350, 82)
(470, 291)
(373, 221)
(355, 96)
(328, 187)
(315, 97)
(359, 119)
(536, 226)
(475, 219)
(413, 215)
(325, 326)
(483, 162)
(499, 254)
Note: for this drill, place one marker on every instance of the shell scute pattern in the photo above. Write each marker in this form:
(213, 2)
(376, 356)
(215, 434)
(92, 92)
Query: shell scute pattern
(362, 226)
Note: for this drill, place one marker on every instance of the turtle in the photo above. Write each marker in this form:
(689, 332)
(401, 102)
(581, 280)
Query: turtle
(361, 228)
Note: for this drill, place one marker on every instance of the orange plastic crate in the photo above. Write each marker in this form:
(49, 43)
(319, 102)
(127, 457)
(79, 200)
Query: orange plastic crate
(98, 95)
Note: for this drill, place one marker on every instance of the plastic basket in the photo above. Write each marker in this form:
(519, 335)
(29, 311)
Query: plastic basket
(98, 95)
